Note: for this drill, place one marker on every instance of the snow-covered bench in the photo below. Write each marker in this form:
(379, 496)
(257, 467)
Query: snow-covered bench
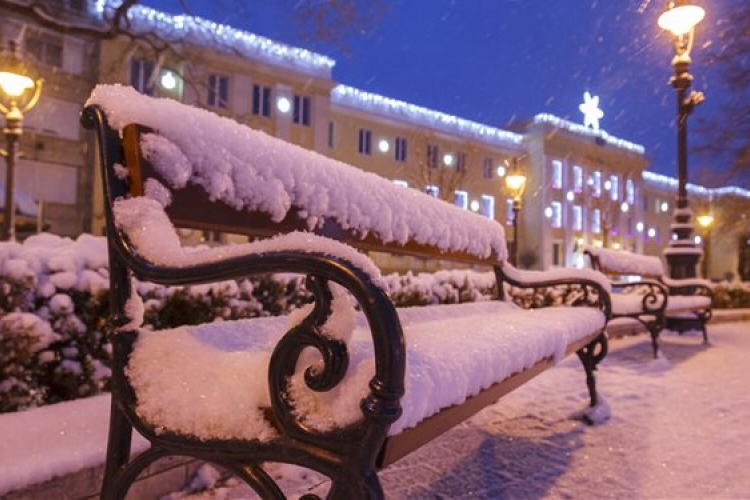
(647, 295)
(340, 389)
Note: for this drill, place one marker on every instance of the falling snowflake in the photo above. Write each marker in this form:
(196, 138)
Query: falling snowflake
(591, 112)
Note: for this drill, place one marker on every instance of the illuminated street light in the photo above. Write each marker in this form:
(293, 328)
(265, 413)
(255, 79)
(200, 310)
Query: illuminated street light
(680, 18)
(706, 221)
(15, 83)
(515, 181)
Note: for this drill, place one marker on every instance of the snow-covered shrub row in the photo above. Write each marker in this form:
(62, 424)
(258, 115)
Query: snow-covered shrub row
(54, 304)
(732, 295)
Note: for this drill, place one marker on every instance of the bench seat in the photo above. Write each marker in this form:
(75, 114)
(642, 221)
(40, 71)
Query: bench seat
(452, 352)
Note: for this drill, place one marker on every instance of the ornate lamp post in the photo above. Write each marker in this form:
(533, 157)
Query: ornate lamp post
(706, 221)
(681, 18)
(15, 82)
(515, 181)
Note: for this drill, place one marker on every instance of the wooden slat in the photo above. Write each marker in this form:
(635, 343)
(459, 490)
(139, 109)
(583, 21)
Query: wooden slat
(400, 445)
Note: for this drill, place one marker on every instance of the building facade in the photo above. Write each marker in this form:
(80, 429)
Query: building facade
(585, 187)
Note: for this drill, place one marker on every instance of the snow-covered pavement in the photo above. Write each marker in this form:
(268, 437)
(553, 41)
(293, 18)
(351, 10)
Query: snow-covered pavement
(679, 429)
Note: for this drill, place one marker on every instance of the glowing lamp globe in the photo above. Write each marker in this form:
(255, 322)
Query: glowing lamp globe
(14, 84)
(681, 19)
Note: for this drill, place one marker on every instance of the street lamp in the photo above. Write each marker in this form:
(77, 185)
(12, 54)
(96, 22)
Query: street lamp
(515, 181)
(680, 18)
(706, 221)
(15, 82)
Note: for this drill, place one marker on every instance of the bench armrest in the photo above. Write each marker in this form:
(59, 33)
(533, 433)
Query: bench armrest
(654, 293)
(556, 287)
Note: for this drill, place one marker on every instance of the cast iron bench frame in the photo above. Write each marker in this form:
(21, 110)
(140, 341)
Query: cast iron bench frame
(656, 291)
(349, 456)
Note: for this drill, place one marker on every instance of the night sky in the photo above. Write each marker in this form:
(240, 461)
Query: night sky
(494, 61)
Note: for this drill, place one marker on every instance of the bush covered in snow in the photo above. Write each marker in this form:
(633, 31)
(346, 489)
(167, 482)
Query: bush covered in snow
(732, 295)
(54, 305)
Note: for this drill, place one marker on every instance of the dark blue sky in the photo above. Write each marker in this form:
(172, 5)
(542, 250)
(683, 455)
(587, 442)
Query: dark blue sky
(494, 61)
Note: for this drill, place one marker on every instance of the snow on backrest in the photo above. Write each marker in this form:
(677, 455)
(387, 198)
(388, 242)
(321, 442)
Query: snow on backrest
(622, 262)
(250, 170)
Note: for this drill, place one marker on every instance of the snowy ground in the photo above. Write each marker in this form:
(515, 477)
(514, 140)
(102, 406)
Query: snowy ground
(680, 428)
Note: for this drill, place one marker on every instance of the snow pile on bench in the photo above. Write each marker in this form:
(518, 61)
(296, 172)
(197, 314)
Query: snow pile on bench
(453, 352)
(627, 263)
(250, 170)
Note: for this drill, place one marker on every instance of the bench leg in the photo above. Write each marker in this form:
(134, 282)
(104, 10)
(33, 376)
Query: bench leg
(590, 357)
(118, 452)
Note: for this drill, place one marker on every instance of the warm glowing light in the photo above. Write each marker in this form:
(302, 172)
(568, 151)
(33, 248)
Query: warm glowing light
(570, 196)
(616, 246)
(598, 243)
(705, 220)
(383, 146)
(607, 185)
(664, 206)
(624, 207)
(651, 232)
(474, 205)
(548, 212)
(501, 171)
(697, 240)
(681, 19)
(283, 104)
(448, 159)
(639, 227)
(14, 84)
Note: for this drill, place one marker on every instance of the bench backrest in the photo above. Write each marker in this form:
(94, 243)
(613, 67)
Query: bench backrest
(623, 263)
(211, 176)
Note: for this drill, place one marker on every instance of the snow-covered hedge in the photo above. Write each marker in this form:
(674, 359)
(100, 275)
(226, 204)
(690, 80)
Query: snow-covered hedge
(732, 295)
(54, 304)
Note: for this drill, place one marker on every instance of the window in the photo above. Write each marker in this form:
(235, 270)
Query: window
(487, 169)
(488, 206)
(432, 191)
(331, 135)
(557, 174)
(557, 253)
(261, 100)
(556, 214)
(630, 191)
(301, 110)
(614, 189)
(577, 178)
(509, 210)
(432, 155)
(577, 218)
(596, 183)
(460, 162)
(596, 221)
(400, 183)
(142, 75)
(218, 91)
(462, 199)
(365, 141)
(400, 152)
(46, 48)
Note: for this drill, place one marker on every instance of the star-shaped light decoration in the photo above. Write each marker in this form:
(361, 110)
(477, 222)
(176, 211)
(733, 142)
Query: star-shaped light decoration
(591, 112)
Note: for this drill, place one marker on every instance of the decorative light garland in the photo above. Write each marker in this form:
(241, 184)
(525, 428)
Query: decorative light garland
(220, 37)
(581, 129)
(356, 98)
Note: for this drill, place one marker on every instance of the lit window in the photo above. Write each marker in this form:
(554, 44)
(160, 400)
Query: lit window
(261, 100)
(462, 199)
(432, 155)
(630, 191)
(218, 91)
(577, 178)
(365, 141)
(596, 221)
(614, 189)
(557, 174)
(141, 75)
(433, 191)
(556, 217)
(400, 183)
(509, 208)
(596, 183)
(301, 110)
(488, 206)
(400, 149)
(487, 169)
(577, 218)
